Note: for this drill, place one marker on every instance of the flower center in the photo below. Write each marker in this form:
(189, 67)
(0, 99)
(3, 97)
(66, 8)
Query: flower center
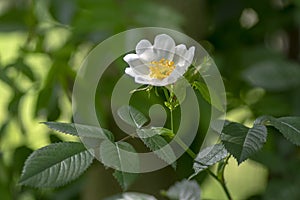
(161, 69)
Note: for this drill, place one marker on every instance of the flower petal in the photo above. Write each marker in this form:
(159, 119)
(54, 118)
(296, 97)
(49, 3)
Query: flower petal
(132, 59)
(130, 72)
(189, 55)
(169, 80)
(180, 51)
(136, 64)
(144, 50)
(145, 80)
(142, 46)
(164, 47)
(179, 71)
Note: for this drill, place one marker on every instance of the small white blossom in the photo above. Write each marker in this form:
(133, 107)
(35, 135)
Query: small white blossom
(160, 64)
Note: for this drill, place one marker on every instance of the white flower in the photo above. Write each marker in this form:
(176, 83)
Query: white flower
(160, 64)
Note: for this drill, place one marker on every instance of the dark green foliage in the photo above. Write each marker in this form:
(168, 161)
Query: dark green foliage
(241, 141)
(208, 157)
(259, 65)
(55, 165)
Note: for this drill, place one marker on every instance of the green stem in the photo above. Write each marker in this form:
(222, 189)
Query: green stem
(193, 155)
(172, 125)
(128, 137)
(185, 147)
(222, 183)
(223, 168)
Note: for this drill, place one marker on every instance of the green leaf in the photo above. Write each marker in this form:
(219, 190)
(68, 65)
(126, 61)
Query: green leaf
(288, 126)
(125, 179)
(132, 116)
(25, 69)
(84, 130)
(241, 141)
(274, 75)
(132, 196)
(55, 165)
(156, 143)
(209, 156)
(166, 133)
(120, 156)
(210, 96)
(188, 190)
(7, 80)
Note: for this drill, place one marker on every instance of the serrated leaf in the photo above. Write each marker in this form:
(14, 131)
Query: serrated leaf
(125, 179)
(132, 116)
(208, 157)
(184, 190)
(120, 156)
(156, 143)
(55, 165)
(209, 96)
(241, 141)
(132, 196)
(288, 126)
(80, 130)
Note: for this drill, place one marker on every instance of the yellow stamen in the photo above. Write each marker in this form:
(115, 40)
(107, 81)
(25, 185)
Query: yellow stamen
(161, 69)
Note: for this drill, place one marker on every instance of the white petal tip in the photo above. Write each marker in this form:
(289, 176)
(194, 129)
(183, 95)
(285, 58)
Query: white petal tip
(130, 57)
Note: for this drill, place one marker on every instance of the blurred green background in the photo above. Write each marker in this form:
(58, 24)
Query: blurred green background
(255, 44)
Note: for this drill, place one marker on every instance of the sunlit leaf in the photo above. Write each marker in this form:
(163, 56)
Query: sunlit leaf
(6, 79)
(25, 69)
(47, 102)
(55, 165)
